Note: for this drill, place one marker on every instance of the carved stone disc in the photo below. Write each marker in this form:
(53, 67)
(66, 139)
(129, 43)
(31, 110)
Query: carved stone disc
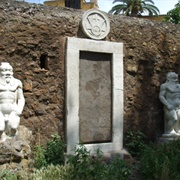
(95, 24)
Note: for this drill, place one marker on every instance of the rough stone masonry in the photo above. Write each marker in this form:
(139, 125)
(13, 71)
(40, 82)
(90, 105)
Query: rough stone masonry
(33, 40)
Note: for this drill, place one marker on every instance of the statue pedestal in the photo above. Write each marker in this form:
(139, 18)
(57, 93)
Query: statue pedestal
(15, 153)
(168, 137)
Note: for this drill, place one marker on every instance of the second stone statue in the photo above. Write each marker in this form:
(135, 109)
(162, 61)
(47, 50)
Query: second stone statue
(170, 96)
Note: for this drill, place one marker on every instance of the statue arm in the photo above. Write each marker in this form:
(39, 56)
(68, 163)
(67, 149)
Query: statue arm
(20, 98)
(162, 97)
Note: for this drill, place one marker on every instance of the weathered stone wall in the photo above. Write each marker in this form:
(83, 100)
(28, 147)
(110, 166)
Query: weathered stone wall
(33, 41)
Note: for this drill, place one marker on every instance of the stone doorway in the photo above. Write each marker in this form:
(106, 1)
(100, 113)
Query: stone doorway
(94, 95)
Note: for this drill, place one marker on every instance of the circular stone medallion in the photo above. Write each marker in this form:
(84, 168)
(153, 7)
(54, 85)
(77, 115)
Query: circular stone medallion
(95, 24)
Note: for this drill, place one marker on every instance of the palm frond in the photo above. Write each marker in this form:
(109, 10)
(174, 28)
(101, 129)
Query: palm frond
(118, 9)
(121, 1)
(152, 8)
(148, 1)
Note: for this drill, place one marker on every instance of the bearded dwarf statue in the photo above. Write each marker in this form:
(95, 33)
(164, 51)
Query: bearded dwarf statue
(170, 96)
(11, 102)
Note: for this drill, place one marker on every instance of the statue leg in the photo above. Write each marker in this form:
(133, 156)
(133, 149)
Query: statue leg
(171, 121)
(2, 128)
(13, 123)
(177, 126)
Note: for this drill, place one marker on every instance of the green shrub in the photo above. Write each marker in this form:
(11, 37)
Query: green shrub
(117, 169)
(39, 157)
(80, 162)
(134, 142)
(52, 154)
(86, 166)
(161, 161)
(7, 175)
(82, 165)
(51, 172)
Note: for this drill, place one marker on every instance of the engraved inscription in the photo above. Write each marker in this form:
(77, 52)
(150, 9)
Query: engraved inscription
(118, 72)
(73, 73)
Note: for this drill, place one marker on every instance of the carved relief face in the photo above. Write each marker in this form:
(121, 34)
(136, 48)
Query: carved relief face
(6, 71)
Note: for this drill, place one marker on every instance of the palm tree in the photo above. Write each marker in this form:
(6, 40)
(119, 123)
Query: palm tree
(134, 7)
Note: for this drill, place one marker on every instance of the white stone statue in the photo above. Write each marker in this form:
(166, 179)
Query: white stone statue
(170, 96)
(11, 102)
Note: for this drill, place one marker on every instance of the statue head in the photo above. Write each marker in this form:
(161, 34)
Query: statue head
(172, 76)
(6, 71)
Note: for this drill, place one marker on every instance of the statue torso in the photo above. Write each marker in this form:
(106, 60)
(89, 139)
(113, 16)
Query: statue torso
(8, 96)
(173, 95)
